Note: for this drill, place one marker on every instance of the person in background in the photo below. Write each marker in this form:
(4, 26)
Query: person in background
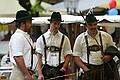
(54, 51)
(20, 47)
(5, 61)
(6, 65)
(90, 53)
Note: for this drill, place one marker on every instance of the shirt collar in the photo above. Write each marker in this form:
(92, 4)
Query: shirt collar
(50, 34)
(21, 31)
(86, 33)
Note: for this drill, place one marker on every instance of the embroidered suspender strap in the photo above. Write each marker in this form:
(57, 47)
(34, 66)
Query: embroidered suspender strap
(88, 51)
(32, 51)
(61, 48)
(44, 48)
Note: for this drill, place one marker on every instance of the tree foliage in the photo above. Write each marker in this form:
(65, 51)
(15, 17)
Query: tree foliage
(33, 9)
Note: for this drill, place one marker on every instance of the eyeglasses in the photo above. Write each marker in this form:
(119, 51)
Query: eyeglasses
(92, 24)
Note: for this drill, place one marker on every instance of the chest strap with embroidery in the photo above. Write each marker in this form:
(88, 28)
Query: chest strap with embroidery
(53, 48)
(89, 48)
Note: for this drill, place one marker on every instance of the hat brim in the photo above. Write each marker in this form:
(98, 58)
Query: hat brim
(91, 21)
(55, 20)
(84, 23)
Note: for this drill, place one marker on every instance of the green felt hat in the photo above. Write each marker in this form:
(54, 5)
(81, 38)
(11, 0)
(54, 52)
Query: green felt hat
(56, 16)
(90, 18)
(23, 15)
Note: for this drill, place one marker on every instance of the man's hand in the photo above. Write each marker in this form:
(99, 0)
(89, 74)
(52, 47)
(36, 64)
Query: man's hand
(63, 69)
(40, 77)
(29, 77)
(106, 58)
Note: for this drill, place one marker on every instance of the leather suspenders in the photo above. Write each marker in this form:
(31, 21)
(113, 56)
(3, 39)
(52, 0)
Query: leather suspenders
(45, 48)
(88, 50)
(32, 52)
(61, 48)
(101, 42)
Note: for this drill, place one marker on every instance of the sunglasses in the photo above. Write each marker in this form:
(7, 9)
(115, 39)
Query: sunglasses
(92, 24)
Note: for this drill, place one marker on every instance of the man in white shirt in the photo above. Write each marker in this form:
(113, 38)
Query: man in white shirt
(20, 47)
(89, 51)
(54, 49)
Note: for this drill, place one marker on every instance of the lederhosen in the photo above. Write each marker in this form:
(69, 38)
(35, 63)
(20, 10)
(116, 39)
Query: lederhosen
(51, 72)
(99, 72)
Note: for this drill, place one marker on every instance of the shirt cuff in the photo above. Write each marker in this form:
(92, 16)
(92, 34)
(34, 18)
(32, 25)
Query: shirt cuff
(39, 51)
(76, 54)
(18, 54)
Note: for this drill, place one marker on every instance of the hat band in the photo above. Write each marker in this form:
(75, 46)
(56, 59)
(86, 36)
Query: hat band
(24, 18)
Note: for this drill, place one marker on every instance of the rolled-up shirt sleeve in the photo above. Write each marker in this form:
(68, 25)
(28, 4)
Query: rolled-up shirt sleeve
(67, 46)
(77, 47)
(40, 45)
(17, 46)
(110, 40)
(107, 40)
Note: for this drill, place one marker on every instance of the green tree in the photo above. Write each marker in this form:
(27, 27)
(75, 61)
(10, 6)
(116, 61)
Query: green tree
(34, 9)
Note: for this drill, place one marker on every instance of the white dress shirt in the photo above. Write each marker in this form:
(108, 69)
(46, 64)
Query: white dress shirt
(19, 46)
(80, 47)
(53, 40)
